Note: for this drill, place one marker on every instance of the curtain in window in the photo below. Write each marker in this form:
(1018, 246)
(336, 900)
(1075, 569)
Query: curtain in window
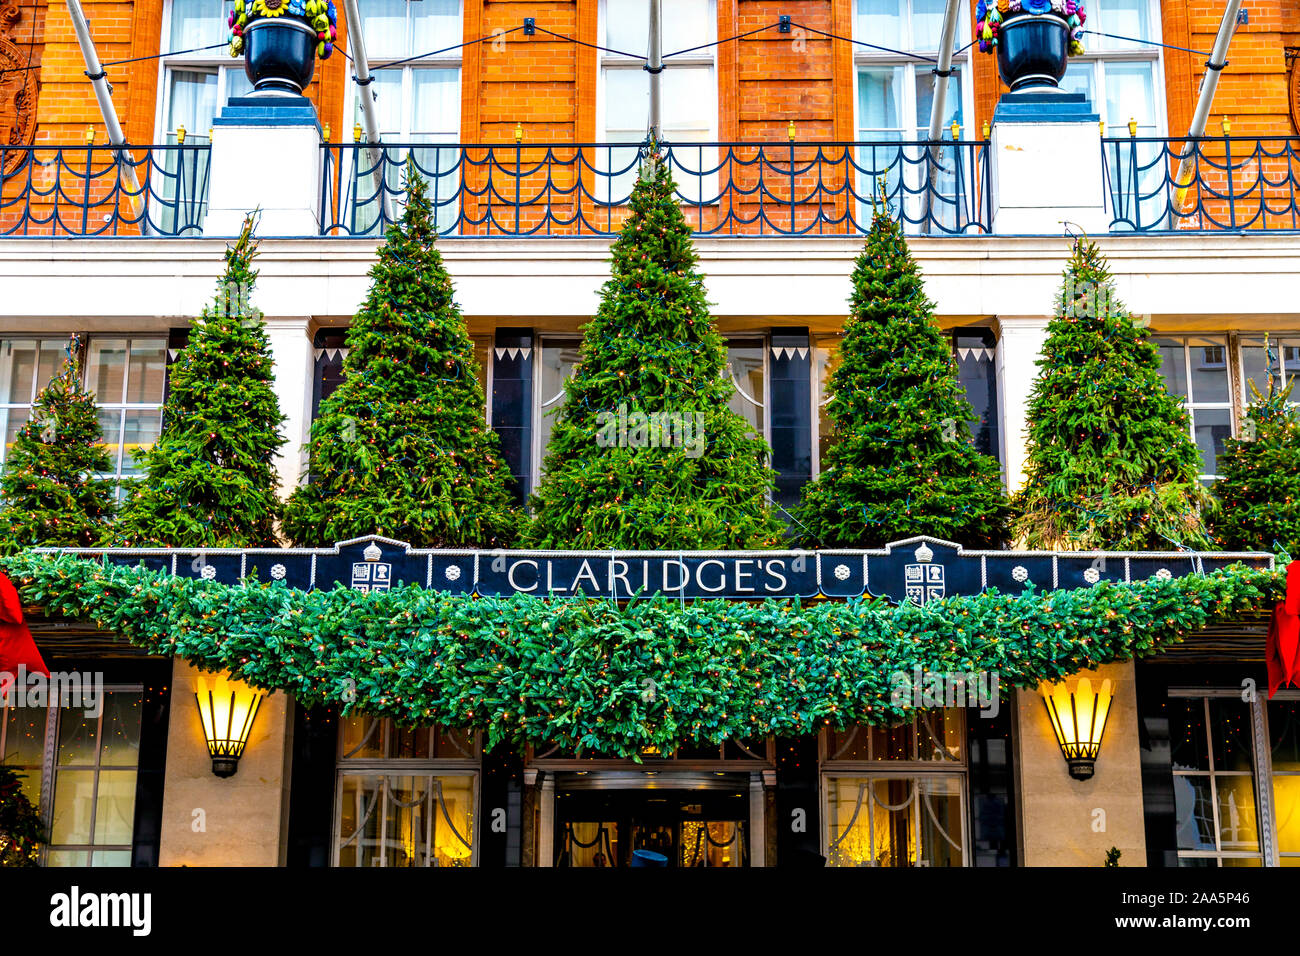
(197, 23)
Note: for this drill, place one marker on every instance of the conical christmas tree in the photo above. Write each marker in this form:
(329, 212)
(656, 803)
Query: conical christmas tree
(51, 494)
(645, 452)
(902, 463)
(402, 447)
(210, 479)
(1111, 463)
(1259, 478)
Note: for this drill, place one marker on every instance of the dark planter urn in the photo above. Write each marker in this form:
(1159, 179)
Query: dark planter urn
(1032, 50)
(279, 55)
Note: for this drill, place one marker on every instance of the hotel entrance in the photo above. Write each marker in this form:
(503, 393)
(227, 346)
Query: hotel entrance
(664, 819)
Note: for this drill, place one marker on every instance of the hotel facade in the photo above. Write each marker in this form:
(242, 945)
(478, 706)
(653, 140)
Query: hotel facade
(779, 132)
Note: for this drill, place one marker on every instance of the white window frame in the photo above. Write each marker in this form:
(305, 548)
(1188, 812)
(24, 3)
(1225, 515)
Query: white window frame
(1209, 474)
(864, 57)
(121, 407)
(205, 60)
(1097, 58)
(1279, 342)
(706, 190)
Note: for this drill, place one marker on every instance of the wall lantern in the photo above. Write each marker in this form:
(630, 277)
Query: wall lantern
(227, 709)
(1079, 718)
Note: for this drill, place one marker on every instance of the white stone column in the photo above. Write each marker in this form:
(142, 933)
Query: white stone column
(291, 351)
(265, 155)
(546, 822)
(1046, 165)
(1020, 343)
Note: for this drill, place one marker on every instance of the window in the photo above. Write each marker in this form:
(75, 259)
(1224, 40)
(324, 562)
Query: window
(689, 95)
(896, 796)
(406, 796)
(895, 97)
(80, 768)
(1195, 369)
(1125, 81)
(1281, 353)
(26, 367)
(746, 366)
(127, 376)
(417, 102)
(194, 87)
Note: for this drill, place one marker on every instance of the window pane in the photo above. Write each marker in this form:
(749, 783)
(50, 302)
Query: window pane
(1187, 737)
(192, 101)
(558, 360)
(361, 737)
(745, 366)
(74, 792)
(1237, 812)
(925, 103)
(927, 24)
(237, 84)
(78, 739)
(686, 24)
(435, 104)
(627, 105)
(689, 98)
(1125, 18)
(115, 807)
(24, 735)
(106, 375)
(121, 734)
(1286, 806)
(1130, 94)
(1193, 813)
(880, 98)
(1284, 732)
(1209, 359)
(1213, 427)
(881, 22)
(435, 25)
(1079, 79)
(941, 824)
(1230, 732)
(1255, 366)
(140, 431)
(197, 23)
(147, 371)
(110, 858)
(65, 858)
(387, 90)
(453, 824)
(110, 424)
(384, 26)
(19, 370)
(1173, 366)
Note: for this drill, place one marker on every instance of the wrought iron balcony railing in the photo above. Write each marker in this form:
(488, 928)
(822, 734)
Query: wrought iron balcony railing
(88, 190)
(1228, 183)
(726, 189)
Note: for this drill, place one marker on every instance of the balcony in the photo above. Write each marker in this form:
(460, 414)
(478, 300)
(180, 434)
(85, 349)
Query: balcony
(101, 191)
(795, 189)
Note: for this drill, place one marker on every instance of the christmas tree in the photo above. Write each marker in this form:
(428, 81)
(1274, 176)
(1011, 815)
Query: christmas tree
(645, 452)
(402, 448)
(903, 463)
(52, 495)
(210, 480)
(1259, 478)
(1111, 463)
(21, 830)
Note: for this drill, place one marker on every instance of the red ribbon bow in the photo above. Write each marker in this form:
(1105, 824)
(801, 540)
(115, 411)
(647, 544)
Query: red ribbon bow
(17, 649)
(1283, 648)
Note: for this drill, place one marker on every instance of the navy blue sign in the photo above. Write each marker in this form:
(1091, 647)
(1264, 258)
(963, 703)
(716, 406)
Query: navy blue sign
(919, 569)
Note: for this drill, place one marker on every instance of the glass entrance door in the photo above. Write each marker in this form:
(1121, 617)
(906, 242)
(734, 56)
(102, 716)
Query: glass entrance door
(673, 828)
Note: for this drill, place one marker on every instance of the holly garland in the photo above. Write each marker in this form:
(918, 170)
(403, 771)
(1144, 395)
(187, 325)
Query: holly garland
(590, 675)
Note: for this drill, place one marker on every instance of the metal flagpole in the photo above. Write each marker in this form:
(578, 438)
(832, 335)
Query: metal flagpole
(104, 95)
(939, 100)
(654, 66)
(363, 78)
(1209, 83)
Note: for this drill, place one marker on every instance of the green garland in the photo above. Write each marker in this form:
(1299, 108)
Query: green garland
(588, 674)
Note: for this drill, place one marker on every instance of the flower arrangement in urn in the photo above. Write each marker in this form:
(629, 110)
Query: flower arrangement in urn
(990, 15)
(320, 15)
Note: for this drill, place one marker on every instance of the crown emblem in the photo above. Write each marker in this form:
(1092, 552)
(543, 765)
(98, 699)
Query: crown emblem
(372, 552)
(924, 555)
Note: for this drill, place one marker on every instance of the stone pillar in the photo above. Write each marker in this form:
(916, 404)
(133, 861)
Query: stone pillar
(237, 821)
(757, 832)
(1046, 165)
(265, 155)
(1020, 343)
(546, 822)
(291, 351)
(1068, 822)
